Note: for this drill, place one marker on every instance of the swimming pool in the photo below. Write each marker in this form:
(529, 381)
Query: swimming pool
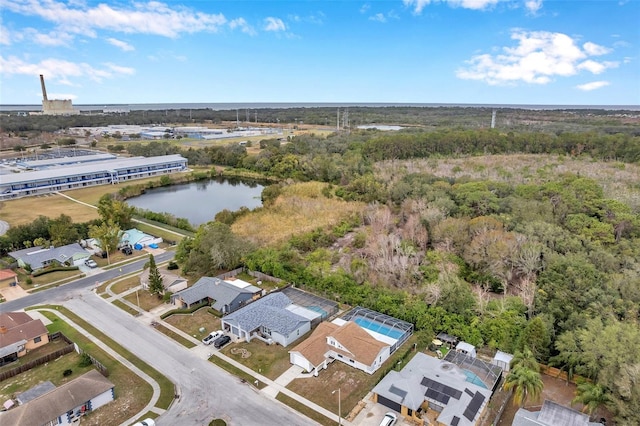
(473, 378)
(378, 328)
(319, 310)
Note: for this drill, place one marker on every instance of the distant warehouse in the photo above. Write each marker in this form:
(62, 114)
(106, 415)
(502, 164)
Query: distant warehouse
(89, 174)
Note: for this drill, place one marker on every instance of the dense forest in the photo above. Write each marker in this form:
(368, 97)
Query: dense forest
(518, 240)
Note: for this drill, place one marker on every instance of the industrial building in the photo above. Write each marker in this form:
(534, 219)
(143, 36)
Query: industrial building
(88, 174)
(55, 106)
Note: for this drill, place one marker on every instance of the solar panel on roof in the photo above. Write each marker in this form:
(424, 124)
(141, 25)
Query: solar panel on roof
(474, 406)
(437, 396)
(455, 420)
(468, 392)
(441, 388)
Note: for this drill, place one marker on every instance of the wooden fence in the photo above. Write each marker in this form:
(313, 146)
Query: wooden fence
(42, 360)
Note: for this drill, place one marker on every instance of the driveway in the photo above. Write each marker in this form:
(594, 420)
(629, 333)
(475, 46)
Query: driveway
(207, 392)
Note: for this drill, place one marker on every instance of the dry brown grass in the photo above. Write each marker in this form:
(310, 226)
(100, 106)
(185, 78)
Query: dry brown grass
(192, 323)
(300, 208)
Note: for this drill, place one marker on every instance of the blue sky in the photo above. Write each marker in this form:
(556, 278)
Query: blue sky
(407, 51)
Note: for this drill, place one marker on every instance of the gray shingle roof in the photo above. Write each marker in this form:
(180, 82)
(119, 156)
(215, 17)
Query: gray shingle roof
(52, 404)
(214, 288)
(269, 311)
(36, 256)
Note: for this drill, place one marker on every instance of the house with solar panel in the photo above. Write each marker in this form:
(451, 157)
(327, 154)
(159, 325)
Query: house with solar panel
(273, 318)
(448, 392)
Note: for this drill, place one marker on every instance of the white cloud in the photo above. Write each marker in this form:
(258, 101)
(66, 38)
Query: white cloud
(587, 87)
(365, 8)
(419, 5)
(274, 24)
(533, 6)
(593, 49)
(537, 58)
(60, 70)
(142, 17)
(243, 25)
(120, 44)
(596, 67)
(120, 69)
(378, 17)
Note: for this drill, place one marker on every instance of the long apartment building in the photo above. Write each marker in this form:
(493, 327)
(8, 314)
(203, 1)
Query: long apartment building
(114, 171)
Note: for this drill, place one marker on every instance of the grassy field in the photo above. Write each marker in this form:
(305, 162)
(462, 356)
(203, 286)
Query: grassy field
(175, 336)
(300, 208)
(25, 210)
(192, 323)
(125, 284)
(144, 299)
(236, 372)
(125, 307)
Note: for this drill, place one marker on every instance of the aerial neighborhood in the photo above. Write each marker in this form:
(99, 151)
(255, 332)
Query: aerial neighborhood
(261, 273)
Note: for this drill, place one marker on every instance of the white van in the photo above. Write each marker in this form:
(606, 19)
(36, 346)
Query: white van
(145, 422)
(389, 419)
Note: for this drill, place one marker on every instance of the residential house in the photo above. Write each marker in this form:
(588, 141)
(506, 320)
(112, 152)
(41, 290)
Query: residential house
(224, 296)
(170, 282)
(39, 257)
(552, 414)
(348, 343)
(138, 239)
(272, 318)
(19, 333)
(431, 388)
(65, 404)
(8, 278)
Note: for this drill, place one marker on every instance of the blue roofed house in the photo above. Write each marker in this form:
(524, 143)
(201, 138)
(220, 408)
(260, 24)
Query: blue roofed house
(272, 318)
(39, 257)
(137, 239)
(434, 388)
(224, 296)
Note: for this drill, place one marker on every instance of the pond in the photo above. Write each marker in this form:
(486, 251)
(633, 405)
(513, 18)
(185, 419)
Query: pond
(199, 202)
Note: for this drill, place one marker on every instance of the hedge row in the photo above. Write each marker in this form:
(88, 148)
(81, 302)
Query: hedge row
(57, 268)
(184, 311)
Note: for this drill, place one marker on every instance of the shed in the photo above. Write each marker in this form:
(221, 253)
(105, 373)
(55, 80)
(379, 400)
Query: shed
(467, 349)
(502, 360)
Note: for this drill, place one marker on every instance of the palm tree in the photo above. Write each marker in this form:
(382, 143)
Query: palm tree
(592, 395)
(526, 383)
(526, 359)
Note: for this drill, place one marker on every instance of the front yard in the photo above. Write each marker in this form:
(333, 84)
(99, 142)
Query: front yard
(192, 323)
(268, 360)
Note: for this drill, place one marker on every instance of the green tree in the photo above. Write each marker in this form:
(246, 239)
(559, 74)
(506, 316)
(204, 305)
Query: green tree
(62, 231)
(155, 279)
(526, 384)
(592, 396)
(524, 359)
(536, 338)
(115, 210)
(108, 236)
(214, 247)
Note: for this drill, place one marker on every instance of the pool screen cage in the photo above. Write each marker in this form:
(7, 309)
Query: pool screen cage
(489, 374)
(396, 326)
(327, 308)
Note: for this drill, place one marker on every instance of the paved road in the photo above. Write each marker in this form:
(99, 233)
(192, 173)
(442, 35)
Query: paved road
(206, 391)
(59, 294)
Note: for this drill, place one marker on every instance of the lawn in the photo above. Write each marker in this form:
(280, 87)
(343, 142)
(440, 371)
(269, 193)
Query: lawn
(268, 360)
(25, 210)
(192, 323)
(353, 383)
(175, 336)
(309, 412)
(51, 371)
(36, 353)
(128, 309)
(144, 299)
(125, 284)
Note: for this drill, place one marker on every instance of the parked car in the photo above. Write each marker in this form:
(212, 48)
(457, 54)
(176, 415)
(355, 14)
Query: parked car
(211, 337)
(221, 341)
(145, 422)
(389, 419)
(91, 263)
(127, 250)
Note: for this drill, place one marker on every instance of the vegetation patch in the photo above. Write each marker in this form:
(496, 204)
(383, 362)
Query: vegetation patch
(268, 360)
(299, 208)
(193, 322)
(175, 336)
(303, 409)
